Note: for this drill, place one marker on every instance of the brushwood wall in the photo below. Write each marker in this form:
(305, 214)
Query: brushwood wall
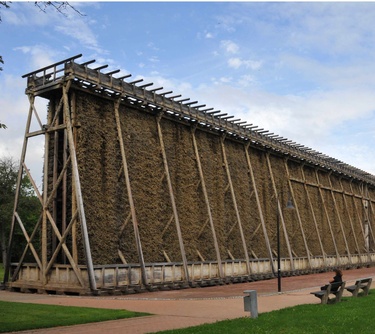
(223, 198)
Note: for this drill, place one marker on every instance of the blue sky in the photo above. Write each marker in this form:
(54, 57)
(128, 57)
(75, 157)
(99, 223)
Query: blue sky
(302, 70)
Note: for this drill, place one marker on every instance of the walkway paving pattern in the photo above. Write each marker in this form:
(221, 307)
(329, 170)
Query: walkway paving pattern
(188, 307)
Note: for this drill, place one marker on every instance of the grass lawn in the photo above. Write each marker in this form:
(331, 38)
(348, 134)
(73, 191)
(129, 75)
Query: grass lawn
(352, 315)
(24, 316)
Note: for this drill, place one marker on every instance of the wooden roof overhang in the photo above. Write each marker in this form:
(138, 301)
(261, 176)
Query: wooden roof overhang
(48, 81)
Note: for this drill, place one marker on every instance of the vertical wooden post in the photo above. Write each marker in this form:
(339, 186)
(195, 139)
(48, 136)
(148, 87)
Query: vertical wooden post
(73, 190)
(130, 195)
(18, 187)
(234, 200)
(360, 219)
(327, 216)
(171, 194)
(313, 216)
(370, 223)
(54, 177)
(77, 186)
(64, 194)
(350, 219)
(280, 211)
(45, 198)
(259, 206)
(339, 217)
(208, 206)
(366, 209)
(298, 214)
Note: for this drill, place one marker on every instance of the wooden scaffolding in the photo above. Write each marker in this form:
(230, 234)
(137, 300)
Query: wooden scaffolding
(60, 244)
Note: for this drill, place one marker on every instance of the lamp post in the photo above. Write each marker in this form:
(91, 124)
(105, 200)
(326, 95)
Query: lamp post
(289, 205)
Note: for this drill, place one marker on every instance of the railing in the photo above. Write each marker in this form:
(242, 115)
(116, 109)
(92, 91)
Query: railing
(128, 277)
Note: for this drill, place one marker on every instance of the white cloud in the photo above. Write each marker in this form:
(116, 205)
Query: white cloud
(80, 31)
(14, 109)
(225, 79)
(39, 55)
(250, 64)
(71, 24)
(234, 62)
(246, 80)
(153, 59)
(152, 46)
(314, 86)
(253, 64)
(320, 120)
(229, 46)
(25, 14)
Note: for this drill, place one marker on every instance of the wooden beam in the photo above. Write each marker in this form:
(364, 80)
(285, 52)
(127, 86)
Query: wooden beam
(339, 218)
(29, 243)
(167, 225)
(210, 219)
(121, 256)
(340, 191)
(173, 203)
(130, 195)
(327, 216)
(369, 212)
(200, 256)
(166, 256)
(259, 205)
(33, 183)
(313, 214)
(230, 255)
(66, 251)
(21, 259)
(234, 200)
(122, 228)
(74, 207)
(295, 203)
(44, 232)
(253, 254)
(279, 210)
(61, 244)
(77, 188)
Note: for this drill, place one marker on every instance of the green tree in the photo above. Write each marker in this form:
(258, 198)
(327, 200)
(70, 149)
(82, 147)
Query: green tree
(2, 126)
(29, 206)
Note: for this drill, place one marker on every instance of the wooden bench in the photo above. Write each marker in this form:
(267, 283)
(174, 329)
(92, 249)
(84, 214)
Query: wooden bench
(363, 284)
(336, 289)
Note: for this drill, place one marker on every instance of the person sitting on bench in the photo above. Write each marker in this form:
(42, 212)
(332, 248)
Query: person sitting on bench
(336, 279)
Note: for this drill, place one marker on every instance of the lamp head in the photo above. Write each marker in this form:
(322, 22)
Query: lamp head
(289, 204)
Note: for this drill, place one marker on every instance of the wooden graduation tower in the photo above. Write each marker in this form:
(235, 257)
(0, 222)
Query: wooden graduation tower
(143, 189)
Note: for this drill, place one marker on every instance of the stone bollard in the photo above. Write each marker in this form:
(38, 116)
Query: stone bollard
(251, 303)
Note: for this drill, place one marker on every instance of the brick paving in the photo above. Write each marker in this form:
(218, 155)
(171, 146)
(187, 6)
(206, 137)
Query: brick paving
(188, 307)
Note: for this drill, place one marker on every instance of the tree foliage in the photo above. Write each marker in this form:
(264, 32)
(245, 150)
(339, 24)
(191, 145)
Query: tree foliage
(4, 4)
(29, 206)
(60, 6)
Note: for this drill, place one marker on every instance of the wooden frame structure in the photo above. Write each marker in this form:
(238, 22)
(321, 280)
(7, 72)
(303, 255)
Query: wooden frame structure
(332, 224)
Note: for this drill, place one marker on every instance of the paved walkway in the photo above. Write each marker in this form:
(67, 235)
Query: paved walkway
(188, 307)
